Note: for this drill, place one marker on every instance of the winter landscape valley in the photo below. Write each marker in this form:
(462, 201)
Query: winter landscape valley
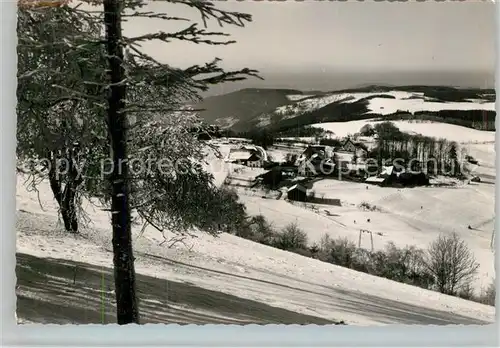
(230, 279)
(363, 205)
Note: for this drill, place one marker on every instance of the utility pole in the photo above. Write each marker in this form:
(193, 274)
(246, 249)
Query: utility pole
(361, 231)
(126, 303)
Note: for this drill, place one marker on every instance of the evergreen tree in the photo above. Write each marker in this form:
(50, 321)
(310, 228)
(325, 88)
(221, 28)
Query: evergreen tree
(80, 92)
(453, 158)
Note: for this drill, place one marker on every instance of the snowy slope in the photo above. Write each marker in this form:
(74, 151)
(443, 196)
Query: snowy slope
(235, 266)
(383, 103)
(385, 106)
(450, 132)
(417, 216)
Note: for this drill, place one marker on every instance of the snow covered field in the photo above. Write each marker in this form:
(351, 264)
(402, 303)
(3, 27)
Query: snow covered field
(413, 216)
(406, 217)
(386, 106)
(245, 269)
(233, 266)
(462, 135)
(416, 216)
(397, 101)
(296, 97)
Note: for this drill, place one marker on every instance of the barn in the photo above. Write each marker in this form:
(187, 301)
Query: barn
(272, 178)
(413, 179)
(297, 192)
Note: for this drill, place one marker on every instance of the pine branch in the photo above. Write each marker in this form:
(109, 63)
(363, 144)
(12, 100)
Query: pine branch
(190, 34)
(81, 94)
(153, 15)
(208, 11)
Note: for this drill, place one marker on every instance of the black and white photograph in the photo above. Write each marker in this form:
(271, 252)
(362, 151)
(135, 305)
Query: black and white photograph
(255, 162)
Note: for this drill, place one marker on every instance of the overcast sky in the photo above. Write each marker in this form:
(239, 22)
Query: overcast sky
(337, 37)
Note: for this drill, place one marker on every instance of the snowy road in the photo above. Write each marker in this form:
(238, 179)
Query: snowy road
(61, 291)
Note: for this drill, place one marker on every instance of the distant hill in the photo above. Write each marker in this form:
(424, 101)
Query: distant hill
(238, 110)
(282, 109)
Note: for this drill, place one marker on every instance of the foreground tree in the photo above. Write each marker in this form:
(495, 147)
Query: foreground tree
(123, 259)
(97, 104)
(57, 89)
(451, 263)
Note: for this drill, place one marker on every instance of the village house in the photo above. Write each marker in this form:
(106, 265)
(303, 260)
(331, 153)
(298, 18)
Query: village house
(359, 150)
(246, 155)
(274, 177)
(316, 165)
(297, 192)
(239, 156)
(396, 176)
(315, 159)
(387, 176)
(349, 145)
(271, 178)
(254, 161)
(322, 150)
(325, 160)
(306, 168)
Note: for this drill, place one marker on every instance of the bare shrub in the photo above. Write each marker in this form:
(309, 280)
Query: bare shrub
(451, 263)
(368, 206)
(466, 292)
(314, 250)
(367, 130)
(324, 241)
(260, 230)
(488, 296)
(406, 265)
(363, 261)
(291, 238)
(340, 251)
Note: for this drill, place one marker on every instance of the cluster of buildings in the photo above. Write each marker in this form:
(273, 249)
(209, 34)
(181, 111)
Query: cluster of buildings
(324, 160)
(316, 160)
(397, 176)
(347, 161)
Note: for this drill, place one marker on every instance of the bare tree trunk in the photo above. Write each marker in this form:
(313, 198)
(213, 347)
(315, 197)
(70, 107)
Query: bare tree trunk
(65, 198)
(68, 206)
(126, 302)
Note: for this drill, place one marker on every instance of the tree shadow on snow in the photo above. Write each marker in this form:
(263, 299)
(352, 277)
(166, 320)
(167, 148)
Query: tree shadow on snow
(55, 291)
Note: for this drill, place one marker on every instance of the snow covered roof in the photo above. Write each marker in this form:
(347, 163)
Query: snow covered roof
(357, 144)
(374, 179)
(387, 170)
(328, 150)
(240, 155)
